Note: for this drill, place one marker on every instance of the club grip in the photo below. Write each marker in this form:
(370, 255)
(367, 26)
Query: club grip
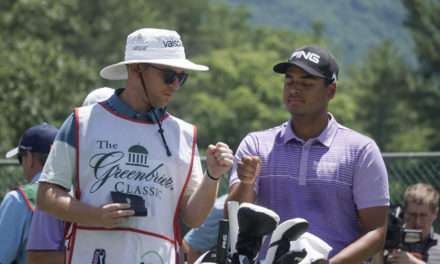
(222, 241)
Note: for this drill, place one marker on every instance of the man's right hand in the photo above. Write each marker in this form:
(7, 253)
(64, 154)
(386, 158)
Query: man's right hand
(111, 215)
(55, 200)
(248, 169)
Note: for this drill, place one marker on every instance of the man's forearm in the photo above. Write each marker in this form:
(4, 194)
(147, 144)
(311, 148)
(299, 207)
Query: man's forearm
(361, 249)
(243, 193)
(56, 201)
(44, 257)
(198, 206)
(372, 236)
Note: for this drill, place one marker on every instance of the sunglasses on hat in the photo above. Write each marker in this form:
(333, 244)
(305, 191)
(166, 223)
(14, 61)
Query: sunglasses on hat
(170, 75)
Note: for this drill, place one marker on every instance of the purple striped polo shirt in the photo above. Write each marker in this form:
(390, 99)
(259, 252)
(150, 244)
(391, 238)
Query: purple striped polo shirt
(324, 180)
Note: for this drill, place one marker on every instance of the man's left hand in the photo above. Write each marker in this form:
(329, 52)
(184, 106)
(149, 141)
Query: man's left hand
(219, 159)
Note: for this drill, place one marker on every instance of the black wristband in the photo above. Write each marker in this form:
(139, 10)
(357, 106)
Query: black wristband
(210, 176)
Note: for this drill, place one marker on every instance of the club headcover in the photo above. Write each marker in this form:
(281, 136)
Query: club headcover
(315, 247)
(287, 231)
(292, 257)
(254, 222)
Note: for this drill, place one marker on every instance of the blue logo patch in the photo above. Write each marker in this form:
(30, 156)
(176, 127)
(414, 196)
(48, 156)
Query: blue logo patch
(99, 256)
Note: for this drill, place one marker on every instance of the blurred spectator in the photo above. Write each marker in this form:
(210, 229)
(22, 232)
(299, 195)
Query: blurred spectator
(18, 205)
(420, 212)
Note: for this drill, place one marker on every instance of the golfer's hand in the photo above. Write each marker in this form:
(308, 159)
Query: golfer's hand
(248, 169)
(219, 159)
(111, 215)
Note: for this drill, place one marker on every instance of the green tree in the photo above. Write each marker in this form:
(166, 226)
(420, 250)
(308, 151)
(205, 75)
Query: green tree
(53, 51)
(380, 88)
(39, 84)
(241, 93)
(423, 22)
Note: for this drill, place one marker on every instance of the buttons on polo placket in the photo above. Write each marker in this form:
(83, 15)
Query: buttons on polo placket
(303, 163)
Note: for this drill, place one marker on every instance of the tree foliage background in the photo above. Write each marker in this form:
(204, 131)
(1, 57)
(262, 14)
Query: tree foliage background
(51, 52)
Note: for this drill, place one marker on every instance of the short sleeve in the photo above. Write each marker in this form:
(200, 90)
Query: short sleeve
(60, 166)
(15, 217)
(196, 174)
(370, 183)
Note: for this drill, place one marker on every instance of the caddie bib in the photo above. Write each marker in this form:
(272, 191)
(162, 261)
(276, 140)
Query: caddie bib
(29, 193)
(115, 153)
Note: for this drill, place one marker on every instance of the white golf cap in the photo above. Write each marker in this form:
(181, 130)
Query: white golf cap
(98, 95)
(151, 45)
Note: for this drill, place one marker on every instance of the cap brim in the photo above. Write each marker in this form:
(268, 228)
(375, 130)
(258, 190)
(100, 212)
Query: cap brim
(282, 68)
(118, 71)
(12, 153)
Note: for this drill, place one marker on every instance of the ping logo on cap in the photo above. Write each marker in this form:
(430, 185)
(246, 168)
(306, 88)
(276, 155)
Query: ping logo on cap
(313, 57)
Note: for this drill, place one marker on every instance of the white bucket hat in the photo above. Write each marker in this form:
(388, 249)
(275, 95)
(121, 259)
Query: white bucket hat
(150, 45)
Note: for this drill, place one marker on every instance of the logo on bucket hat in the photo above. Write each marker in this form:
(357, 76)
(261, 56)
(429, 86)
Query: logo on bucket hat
(151, 45)
(313, 59)
(38, 138)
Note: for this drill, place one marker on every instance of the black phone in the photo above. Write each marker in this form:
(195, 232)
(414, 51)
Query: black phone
(137, 202)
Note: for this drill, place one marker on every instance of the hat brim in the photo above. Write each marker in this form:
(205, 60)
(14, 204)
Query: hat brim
(12, 153)
(283, 66)
(118, 71)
